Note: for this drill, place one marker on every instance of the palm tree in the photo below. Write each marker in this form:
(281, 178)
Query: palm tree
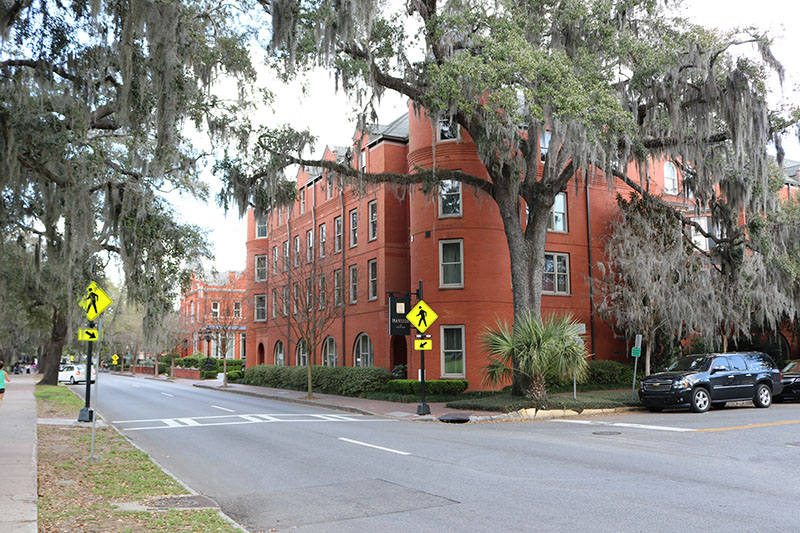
(548, 348)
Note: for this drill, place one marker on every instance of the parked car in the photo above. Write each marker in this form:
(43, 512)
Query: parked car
(709, 380)
(75, 374)
(790, 382)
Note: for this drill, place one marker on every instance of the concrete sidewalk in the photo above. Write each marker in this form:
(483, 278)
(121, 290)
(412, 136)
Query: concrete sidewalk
(18, 463)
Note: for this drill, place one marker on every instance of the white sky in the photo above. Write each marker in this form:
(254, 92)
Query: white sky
(327, 114)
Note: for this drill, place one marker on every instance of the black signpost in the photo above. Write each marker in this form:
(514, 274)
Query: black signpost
(87, 414)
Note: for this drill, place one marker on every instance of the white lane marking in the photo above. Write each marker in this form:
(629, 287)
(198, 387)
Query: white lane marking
(398, 452)
(137, 386)
(168, 394)
(230, 420)
(172, 423)
(250, 418)
(624, 425)
(223, 408)
(189, 421)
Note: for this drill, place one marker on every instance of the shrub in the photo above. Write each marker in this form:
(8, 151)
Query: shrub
(344, 381)
(413, 386)
(211, 374)
(235, 375)
(400, 372)
(233, 364)
(609, 373)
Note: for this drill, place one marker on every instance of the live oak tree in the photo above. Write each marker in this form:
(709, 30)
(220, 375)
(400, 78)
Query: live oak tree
(614, 82)
(93, 98)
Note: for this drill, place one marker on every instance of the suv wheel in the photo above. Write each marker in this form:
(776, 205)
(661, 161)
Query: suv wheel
(701, 400)
(763, 397)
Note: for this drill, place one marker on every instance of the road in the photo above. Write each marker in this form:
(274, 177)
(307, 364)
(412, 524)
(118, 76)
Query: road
(286, 466)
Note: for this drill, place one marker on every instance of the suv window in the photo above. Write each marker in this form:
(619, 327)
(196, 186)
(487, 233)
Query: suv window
(759, 361)
(737, 362)
(698, 363)
(721, 363)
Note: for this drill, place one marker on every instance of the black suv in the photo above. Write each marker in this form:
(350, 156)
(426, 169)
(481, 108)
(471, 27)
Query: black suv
(710, 380)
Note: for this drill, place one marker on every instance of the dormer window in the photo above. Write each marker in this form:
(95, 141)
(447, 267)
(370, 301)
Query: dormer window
(448, 130)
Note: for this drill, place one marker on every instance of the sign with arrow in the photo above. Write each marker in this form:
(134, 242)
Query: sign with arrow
(91, 335)
(423, 344)
(115, 359)
(421, 316)
(94, 302)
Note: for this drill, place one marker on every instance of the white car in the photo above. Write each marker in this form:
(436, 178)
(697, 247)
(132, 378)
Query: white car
(75, 374)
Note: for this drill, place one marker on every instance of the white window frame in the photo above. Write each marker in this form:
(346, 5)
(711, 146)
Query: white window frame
(372, 223)
(280, 214)
(296, 259)
(353, 284)
(260, 268)
(360, 353)
(443, 350)
(261, 227)
(442, 194)
(328, 188)
(555, 274)
(279, 354)
(309, 295)
(237, 309)
(353, 217)
(285, 300)
(214, 309)
(302, 200)
(372, 276)
(301, 353)
(260, 307)
(552, 224)
(671, 171)
(330, 355)
(323, 237)
(447, 125)
(295, 296)
(286, 259)
(362, 160)
(275, 259)
(544, 144)
(442, 284)
(699, 240)
(274, 303)
(337, 288)
(338, 229)
(309, 245)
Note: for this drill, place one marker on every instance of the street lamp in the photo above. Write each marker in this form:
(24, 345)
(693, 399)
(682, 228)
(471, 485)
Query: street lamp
(207, 334)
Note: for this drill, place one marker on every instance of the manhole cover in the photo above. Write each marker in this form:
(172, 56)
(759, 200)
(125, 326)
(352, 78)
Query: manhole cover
(606, 433)
(193, 501)
(454, 418)
(793, 444)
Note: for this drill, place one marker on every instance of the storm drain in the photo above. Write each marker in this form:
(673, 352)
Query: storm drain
(605, 433)
(165, 503)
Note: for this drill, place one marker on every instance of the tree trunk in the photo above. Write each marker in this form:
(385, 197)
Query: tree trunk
(52, 356)
(651, 335)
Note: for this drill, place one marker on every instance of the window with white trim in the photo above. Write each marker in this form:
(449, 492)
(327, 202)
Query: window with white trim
(555, 279)
(353, 227)
(558, 214)
(302, 200)
(309, 245)
(449, 198)
(296, 250)
(261, 268)
(285, 300)
(372, 213)
(237, 309)
(285, 256)
(362, 161)
(452, 351)
(302, 353)
(699, 240)
(309, 294)
(274, 260)
(353, 284)
(260, 305)
(337, 234)
(261, 227)
(323, 237)
(337, 288)
(363, 354)
(328, 188)
(448, 131)
(451, 263)
(280, 214)
(670, 178)
(280, 360)
(214, 309)
(329, 355)
(274, 302)
(544, 144)
(295, 296)
(372, 274)
(322, 291)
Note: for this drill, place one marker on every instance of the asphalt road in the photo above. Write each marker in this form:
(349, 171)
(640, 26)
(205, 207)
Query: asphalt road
(286, 466)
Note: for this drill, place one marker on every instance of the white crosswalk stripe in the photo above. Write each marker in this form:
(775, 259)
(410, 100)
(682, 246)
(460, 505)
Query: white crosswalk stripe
(228, 420)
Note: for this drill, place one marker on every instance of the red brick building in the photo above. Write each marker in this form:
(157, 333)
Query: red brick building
(215, 306)
(382, 240)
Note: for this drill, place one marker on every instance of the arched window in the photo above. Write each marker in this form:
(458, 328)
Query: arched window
(329, 352)
(260, 357)
(670, 178)
(302, 353)
(363, 354)
(279, 359)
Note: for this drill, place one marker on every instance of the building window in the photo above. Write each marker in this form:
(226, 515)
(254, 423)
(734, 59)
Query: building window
(558, 214)
(323, 291)
(296, 250)
(309, 245)
(544, 144)
(261, 227)
(302, 201)
(280, 214)
(192, 312)
(323, 236)
(449, 198)
(302, 353)
(448, 130)
(242, 344)
(337, 234)
(329, 357)
(274, 259)
(452, 351)
(372, 212)
(261, 268)
(555, 279)
(295, 296)
(285, 300)
(328, 188)
(337, 288)
(214, 309)
(274, 302)
(670, 178)
(309, 295)
(363, 355)
(353, 227)
(372, 272)
(353, 284)
(237, 309)
(279, 358)
(260, 308)
(700, 241)
(362, 161)
(451, 263)
(285, 256)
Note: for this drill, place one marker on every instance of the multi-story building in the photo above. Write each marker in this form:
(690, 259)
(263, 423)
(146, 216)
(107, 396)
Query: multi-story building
(212, 316)
(363, 244)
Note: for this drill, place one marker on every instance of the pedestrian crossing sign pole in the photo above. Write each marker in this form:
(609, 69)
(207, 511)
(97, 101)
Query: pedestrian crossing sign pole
(94, 301)
(422, 317)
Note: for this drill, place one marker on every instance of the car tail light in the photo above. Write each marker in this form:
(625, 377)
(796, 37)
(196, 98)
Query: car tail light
(780, 375)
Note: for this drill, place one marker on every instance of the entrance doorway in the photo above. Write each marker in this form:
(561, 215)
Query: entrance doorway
(399, 351)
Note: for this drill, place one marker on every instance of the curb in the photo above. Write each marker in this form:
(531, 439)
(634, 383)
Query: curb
(548, 414)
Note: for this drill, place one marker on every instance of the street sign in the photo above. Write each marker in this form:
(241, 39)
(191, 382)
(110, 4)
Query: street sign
(94, 302)
(636, 352)
(398, 307)
(423, 344)
(115, 359)
(421, 316)
(91, 335)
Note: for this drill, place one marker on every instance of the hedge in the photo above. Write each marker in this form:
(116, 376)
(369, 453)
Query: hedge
(344, 381)
(211, 374)
(234, 375)
(441, 386)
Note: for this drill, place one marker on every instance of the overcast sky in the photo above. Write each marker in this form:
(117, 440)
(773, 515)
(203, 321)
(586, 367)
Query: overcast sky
(327, 114)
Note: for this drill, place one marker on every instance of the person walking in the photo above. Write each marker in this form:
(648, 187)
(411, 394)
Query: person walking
(3, 378)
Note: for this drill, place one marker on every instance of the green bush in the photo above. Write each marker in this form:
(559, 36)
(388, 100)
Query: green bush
(162, 367)
(235, 375)
(413, 386)
(211, 374)
(344, 381)
(609, 373)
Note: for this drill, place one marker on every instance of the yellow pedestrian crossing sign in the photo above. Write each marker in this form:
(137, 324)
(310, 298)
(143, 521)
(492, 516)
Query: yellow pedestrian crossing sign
(115, 359)
(94, 302)
(421, 316)
(423, 344)
(91, 335)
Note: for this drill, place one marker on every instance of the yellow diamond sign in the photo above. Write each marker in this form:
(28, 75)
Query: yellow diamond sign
(94, 302)
(421, 316)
